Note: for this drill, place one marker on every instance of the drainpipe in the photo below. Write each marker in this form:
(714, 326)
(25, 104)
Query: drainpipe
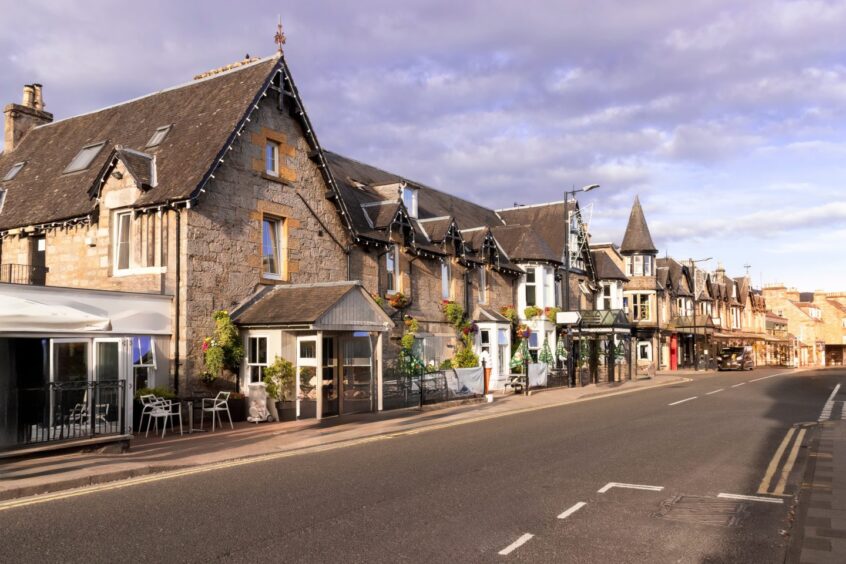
(178, 309)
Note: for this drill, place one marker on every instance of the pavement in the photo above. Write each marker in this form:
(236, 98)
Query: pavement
(821, 522)
(33, 476)
(706, 469)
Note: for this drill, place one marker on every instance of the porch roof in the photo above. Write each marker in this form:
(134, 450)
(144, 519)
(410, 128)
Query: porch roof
(341, 306)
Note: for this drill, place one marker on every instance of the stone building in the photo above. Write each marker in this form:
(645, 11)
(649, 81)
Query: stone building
(804, 324)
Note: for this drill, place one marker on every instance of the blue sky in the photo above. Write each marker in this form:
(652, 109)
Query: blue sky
(727, 118)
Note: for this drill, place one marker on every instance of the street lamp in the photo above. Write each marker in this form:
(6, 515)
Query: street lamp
(693, 271)
(567, 194)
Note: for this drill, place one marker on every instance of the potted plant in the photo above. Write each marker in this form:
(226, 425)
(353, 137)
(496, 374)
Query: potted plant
(223, 350)
(532, 311)
(279, 381)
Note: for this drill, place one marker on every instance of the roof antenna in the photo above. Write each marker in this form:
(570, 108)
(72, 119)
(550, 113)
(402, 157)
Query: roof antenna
(747, 266)
(279, 38)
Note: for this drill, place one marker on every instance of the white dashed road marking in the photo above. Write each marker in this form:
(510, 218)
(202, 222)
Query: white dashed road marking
(738, 385)
(516, 544)
(750, 498)
(610, 485)
(715, 391)
(829, 405)
(682, 401)
(572, 510)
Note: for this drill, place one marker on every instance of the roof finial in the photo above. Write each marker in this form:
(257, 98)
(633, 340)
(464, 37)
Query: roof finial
(279, 38)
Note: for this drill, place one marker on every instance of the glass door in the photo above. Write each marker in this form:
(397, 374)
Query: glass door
(357, 374)
(306, 377)
(330, 377)
(110, 392)
(70, 373)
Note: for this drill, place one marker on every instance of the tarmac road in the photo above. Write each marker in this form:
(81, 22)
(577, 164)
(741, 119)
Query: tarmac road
(482, 492)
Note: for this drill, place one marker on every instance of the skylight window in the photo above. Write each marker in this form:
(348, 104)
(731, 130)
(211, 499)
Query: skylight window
(13, 172)
(159, 136)
(83, 159)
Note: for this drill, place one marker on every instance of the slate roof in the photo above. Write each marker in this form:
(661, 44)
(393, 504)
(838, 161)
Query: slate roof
(436, 228)
(360, 183)
(292, 304)
(637, 238)
(548, 221)
(204, 113)
(606, 268)
(676, 276)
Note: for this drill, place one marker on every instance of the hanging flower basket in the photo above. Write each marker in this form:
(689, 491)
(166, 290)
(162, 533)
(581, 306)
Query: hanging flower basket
(523, 331)
(398, 300)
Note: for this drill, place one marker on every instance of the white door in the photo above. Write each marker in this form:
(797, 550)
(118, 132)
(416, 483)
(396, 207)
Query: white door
(110, 368)
(307, 381)
(70, 373)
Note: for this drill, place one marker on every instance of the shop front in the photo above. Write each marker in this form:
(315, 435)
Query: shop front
(333, 336)
(605, 343)
(71, 361)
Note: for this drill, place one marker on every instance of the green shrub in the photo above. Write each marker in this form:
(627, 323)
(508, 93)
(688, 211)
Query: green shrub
(465, 357)
(158, 392)
(279, 380)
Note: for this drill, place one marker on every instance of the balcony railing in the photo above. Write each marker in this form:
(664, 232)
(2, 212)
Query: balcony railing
(23, 274)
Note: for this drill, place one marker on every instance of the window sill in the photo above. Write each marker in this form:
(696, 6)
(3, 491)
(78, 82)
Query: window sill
(139, 271)
(276, 179)
(271, 280)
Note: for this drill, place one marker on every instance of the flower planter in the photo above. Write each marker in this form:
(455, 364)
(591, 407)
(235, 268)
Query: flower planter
(238, 409)
(286, 410)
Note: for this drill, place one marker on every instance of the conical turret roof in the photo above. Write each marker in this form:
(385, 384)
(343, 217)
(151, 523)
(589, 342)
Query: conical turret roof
(637, 238)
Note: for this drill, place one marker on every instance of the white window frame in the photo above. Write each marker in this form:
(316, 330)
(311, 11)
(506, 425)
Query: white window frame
(446, 280)
(606, 297)
(638, 265)
(2, 199)
(150, 366)
(644, 346)
(253, 363)
(483, 285)
(392, 286)
(629, 266)
(273, 147)
(117, 241)
(277, 226)
(534, 284)
(410, 201)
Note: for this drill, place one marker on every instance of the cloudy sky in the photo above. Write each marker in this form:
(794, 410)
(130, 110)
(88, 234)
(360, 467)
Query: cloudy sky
(727, 118)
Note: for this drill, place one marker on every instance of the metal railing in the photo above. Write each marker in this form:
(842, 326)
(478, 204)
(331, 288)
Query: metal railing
(23, 274)
(418, 387)
(67, 410)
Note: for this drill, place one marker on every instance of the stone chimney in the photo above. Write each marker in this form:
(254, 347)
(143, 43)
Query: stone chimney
(20, 118)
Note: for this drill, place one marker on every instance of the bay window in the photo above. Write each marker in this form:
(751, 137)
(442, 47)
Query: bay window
(531, 287)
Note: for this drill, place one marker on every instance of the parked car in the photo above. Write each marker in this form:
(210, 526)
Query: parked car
(736, 358)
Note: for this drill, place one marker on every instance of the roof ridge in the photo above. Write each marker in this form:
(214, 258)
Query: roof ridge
(169, 89)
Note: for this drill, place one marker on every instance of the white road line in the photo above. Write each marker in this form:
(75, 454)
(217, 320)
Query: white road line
(572, 510)
(738, 385)
(765, 483)
(788, 466)
(825, 415)
(770, 376)
(610, 485)
(750, 498)
(715, 391)
(516, 544)
(682, 401)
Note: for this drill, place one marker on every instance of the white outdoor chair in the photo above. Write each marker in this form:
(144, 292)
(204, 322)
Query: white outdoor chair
(167, 410)
(215, 406)
(148, 402)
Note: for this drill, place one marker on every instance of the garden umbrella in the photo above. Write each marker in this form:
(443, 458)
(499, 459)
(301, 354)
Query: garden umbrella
(520, 354)
(561, 350)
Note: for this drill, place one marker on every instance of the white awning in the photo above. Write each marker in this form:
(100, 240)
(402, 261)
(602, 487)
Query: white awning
(24, 315)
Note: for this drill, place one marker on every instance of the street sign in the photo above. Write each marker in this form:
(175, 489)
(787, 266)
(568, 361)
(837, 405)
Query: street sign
(568, 317)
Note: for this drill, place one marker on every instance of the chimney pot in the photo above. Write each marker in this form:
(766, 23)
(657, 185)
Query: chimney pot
(28, 96)
(38, 99)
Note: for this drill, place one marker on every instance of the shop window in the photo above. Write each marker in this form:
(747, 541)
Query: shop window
(143, 362)
(256, 358)
(644, 351)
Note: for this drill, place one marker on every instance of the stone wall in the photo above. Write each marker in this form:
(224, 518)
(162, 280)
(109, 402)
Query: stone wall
(223, 230)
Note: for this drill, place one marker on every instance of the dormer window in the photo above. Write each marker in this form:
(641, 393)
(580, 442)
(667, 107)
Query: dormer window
(13, 172)
(409, 200)
(159, 136)
(2, 199)
(83, 159)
